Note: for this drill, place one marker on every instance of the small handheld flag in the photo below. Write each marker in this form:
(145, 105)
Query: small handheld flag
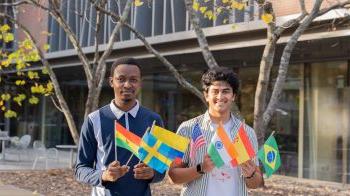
(224, 151)
(126, 139)
(171, 139)
(197, 140)
(269, 156)
(156, 154)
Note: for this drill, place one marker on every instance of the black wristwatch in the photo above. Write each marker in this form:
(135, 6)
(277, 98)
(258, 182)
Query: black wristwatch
(199, 169)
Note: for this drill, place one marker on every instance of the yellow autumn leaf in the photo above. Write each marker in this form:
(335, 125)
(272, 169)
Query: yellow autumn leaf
(19, 73)
(49, 87)
(195, 5)
(33, 100)
(3, 108)
(8, 37)
(1, 103)
(4, 28)
(10, 114)
(5, 63)
(208, 14)
(20, 64)
(219, 10)
(267, 18)
(203, 9)
(27, 44)
(22, 96)
(20, 82)
(46, 47)
(33, 75)
(45, 70)
(237, 5)
(41, 89)
(138, 3)
(19, 98)
(0, 36)
(5, 96)
(14, 55)
(37, 89)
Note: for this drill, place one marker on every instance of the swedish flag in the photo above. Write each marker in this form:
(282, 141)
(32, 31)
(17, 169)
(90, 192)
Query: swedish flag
(157, 154)
(269, 156)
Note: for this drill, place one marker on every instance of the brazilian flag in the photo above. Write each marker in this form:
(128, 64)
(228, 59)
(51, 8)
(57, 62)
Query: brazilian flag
(269, 156)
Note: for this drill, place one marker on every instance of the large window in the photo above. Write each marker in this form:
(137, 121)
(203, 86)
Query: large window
(326, 121)
(162, 93)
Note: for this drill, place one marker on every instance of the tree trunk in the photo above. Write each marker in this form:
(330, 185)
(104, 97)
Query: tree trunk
(284, 64)
(261, 88)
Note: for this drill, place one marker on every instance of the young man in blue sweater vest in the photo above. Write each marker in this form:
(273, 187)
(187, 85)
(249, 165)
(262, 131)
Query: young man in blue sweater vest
(98, 163)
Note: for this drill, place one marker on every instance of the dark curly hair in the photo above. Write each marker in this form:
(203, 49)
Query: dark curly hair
(124, 61)
(220, 74)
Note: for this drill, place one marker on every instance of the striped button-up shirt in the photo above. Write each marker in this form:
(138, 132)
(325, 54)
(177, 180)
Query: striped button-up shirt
(199, 186)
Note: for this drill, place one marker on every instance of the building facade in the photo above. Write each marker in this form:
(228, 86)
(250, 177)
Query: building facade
(311, 121)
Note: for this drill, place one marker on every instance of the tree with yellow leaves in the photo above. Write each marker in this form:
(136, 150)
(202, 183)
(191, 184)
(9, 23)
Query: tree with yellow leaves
(15, 84)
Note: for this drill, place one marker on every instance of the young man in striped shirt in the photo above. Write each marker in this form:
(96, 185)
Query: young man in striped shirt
(99, 163)
(197, 171)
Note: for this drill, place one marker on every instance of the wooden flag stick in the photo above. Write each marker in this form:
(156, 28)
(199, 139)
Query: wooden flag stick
(127, 163)
(115, 142)
(273, 133)
(132, 154)
(148, 129)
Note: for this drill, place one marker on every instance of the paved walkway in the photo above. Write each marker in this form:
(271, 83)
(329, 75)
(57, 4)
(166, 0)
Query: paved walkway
(26, 163)
(9, 190)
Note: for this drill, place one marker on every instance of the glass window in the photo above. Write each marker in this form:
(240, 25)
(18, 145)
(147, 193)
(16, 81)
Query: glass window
(326, 121)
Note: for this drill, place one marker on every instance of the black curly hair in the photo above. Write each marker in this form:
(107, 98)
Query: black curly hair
(124, 61)
(220, 74)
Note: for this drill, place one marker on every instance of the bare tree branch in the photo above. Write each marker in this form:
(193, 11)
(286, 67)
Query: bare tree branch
(289, 24)
(182, 81)
(94, 94)
(17, 3)
(282, 72)
(332, 7)
(202, 40)
(99, 20)
(55, 104)
(302, 6)
(55, 13)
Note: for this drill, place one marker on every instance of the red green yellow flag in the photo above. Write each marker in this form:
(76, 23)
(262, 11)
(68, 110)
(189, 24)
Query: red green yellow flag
(126, 139)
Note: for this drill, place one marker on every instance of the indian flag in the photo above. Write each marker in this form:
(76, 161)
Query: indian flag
(126, 139)
(221, 149)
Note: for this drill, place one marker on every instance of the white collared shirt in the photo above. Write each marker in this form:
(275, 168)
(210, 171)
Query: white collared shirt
(119, 113)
